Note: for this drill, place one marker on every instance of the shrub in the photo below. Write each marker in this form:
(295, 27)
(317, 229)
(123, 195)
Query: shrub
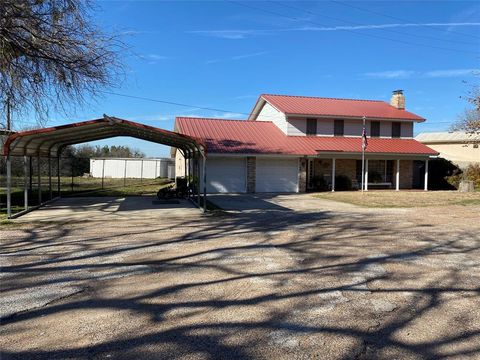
(375, 177)
(343, 183)
(471, 173)
(319, 183)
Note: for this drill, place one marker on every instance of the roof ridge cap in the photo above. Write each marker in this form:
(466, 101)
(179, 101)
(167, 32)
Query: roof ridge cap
(326, 98)
(219, 119)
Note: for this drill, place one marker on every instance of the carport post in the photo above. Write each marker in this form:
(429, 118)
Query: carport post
(204, 183)
(39, 179)
(25, 179)
(50, 176)
(58, 174)
(30, 174)
(9, 186)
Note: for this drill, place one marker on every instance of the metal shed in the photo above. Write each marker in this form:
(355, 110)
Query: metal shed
(49, 142)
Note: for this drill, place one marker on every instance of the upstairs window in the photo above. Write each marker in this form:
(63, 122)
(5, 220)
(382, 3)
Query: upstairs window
(338, 128)
(396, 129)
(311, 126)
(375, 129)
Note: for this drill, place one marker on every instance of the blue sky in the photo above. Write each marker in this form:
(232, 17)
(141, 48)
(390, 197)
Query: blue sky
(224, 54)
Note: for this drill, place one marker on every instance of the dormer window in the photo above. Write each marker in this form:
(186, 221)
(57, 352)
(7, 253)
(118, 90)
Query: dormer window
(311, 126)
(338, 128)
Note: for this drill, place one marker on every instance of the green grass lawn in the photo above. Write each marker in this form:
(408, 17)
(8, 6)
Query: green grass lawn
(402, 199)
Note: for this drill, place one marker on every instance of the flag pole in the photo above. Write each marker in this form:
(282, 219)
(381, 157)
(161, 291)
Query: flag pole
(363, 155)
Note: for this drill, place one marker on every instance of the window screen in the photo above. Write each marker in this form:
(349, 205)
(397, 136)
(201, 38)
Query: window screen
(396, 129)
(311, 126)
(375, 129)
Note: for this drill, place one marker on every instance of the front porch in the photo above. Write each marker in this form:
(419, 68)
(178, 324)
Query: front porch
(340, 173)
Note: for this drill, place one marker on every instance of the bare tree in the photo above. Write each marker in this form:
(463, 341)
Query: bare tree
(469, 120)
(52, 56)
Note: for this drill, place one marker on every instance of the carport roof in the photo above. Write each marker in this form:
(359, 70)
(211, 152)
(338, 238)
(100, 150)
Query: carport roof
(50, 141)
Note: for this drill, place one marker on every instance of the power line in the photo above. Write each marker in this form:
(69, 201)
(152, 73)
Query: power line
(362, 24)
(214, 109)
(174, 103)
(393, 17)
(349, 30)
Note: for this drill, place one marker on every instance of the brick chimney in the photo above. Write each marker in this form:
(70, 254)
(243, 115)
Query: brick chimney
(398, 99)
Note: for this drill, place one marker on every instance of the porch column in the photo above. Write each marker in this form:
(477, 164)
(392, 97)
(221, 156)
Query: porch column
(426, 175)
(397, 176)
(366, 174)
(333, 174)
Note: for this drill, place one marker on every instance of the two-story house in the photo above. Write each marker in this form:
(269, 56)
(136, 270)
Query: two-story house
(289, 142)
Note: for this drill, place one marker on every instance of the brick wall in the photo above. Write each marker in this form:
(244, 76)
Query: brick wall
(406, 174)
(346, 167)
(251, 173)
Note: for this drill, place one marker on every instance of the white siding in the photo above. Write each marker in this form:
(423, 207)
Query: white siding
(269, 113)
(297, 126)
(276, 175)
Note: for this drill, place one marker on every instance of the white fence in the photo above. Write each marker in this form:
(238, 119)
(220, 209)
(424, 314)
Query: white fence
(133, 168)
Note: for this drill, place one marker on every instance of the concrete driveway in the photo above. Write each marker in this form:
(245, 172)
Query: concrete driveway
(324, 283)
(109, 208)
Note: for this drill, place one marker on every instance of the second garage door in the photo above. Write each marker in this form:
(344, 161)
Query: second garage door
(276, 175)
(226, 175)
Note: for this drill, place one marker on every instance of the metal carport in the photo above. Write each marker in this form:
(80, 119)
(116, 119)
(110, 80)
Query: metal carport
(49, 142)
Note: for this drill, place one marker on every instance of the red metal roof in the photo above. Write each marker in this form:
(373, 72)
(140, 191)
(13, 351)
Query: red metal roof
(317, 106)
(263, 137)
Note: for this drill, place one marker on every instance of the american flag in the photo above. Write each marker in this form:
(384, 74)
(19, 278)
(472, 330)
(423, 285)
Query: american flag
(364, 138)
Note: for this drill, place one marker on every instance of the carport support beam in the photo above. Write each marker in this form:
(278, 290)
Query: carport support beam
(204, 183)
(58, 175)
(25, 182)
(9, 186)
(39, 179)
(50, 176)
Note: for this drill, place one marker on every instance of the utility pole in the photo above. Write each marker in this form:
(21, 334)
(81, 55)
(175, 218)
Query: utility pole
(9, 122)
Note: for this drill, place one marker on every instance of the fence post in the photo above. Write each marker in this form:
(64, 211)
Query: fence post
(141, 171)
(25, 182)
(125, 174)
(71, 168)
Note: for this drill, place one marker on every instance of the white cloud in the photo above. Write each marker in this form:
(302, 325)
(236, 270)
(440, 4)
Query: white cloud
(236, 34)
(451, 73)
(406, 74)
(391, 74)
(237, 57)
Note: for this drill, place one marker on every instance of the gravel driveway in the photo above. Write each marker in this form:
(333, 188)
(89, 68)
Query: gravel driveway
(324, 281)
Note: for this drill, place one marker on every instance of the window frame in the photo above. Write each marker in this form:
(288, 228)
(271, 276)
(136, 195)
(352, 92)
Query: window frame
(394, 124)
(372, 134)
(338, 121)
(308, 128)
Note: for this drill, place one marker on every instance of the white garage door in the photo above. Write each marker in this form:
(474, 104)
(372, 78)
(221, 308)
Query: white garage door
(226, 175)
(277, 175)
